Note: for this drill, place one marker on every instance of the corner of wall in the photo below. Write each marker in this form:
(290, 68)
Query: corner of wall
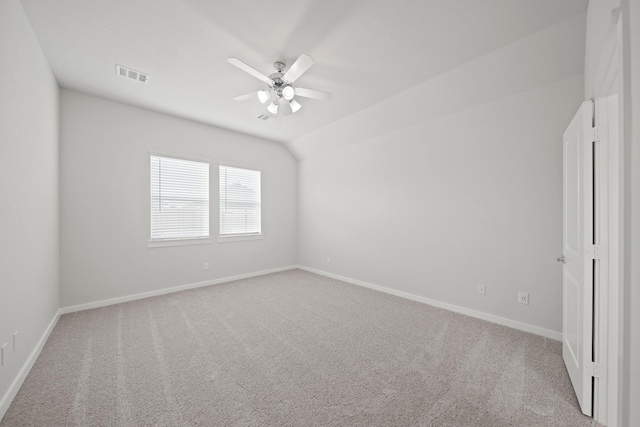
(29, 177)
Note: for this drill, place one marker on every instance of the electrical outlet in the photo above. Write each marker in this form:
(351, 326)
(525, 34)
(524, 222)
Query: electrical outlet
(206, 265)
(482, 290)
(328, 260)
(15, 337)
(523, 298)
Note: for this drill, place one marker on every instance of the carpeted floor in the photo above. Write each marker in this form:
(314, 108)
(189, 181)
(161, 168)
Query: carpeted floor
(292, 349)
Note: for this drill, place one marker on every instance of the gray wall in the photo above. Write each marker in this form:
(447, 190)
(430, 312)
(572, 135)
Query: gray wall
(104, 177)
(29, 247)
(440, 207)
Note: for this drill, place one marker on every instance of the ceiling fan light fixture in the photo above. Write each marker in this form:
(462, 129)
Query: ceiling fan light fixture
(288, 93)
(273, 108)
(263, 96)
(295, 106)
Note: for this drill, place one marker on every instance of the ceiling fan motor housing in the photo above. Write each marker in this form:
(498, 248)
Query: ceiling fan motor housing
(278, 84)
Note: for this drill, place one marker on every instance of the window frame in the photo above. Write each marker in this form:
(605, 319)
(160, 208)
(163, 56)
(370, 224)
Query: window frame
(178, 241)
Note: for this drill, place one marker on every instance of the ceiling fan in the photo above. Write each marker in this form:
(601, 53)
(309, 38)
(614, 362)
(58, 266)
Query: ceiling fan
(280, 90)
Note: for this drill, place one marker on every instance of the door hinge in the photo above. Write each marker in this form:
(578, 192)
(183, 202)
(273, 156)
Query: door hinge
(599, 134)
(595, 370)
(596, 252)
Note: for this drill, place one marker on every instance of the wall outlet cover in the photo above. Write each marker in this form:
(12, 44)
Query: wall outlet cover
(523, 298)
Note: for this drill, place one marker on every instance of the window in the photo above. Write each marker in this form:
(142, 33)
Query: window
(179, 200)
(240, 211)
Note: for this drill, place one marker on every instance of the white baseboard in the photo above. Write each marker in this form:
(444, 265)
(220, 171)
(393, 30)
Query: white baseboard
(26, 368)
(112, 301)
(467, 311)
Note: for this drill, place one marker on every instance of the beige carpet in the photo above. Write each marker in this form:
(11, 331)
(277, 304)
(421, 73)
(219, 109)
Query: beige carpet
(292, 349)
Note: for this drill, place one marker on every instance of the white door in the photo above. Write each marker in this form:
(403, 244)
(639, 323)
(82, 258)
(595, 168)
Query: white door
(577, 282)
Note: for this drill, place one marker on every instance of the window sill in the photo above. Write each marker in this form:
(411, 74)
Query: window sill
(239, 237)
(179, 242)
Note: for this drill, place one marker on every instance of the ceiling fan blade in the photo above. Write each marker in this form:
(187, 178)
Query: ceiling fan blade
(314, 94)
(247, 69)
(302, 64)
(285, 106)
(245, 96)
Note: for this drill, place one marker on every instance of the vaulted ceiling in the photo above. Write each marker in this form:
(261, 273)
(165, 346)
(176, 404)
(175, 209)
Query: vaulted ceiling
(373, 55)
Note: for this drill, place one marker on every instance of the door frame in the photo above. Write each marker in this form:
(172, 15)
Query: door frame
(609, 179)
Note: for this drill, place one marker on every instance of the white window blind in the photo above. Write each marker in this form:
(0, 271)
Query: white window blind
(179, 198)
(240, 211)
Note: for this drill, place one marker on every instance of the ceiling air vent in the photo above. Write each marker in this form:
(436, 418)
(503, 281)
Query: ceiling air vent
(131, 74)
(268, 119)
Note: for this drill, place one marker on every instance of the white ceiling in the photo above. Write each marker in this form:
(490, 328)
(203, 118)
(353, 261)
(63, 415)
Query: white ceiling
(366, 51)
